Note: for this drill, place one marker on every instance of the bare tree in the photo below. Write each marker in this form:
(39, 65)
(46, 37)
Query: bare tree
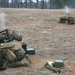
(6, 4)
(16, 3)
(50, 3)
(30, 3)
(42, 4)
(26, 3)
(37, 3)
(3, 1)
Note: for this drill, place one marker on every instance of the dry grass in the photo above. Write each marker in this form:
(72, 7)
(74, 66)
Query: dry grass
(50, 39)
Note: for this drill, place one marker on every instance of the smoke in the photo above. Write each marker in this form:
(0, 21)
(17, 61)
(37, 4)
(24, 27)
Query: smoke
(2, 20)
(67, 10)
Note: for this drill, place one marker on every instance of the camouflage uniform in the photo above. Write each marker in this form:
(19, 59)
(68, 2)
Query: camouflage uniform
(63, 19)
(69, 20)
(13, 54)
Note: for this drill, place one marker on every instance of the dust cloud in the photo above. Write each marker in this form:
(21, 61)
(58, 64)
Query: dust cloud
(2, 20)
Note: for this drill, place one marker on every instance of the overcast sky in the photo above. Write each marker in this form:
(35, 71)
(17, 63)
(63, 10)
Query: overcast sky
(39, 0)
(34, 0)
(24, 0)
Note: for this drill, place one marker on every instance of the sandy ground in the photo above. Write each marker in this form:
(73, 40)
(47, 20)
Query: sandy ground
(50, 39)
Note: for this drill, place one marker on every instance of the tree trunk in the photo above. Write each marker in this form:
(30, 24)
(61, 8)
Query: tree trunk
(50, 1)
(42, 4)
(26, 3)
(30, 3)
(36, 3)
(21, 3)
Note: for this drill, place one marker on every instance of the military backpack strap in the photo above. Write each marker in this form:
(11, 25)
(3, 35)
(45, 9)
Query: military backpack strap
(6, 46)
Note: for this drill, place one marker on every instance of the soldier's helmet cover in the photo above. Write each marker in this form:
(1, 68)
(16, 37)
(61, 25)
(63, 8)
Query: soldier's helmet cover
(18, 37)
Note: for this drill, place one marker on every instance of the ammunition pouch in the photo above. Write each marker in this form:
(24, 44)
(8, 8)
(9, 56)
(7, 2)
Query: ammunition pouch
(9, 55)
(19, 54)
(50, 67)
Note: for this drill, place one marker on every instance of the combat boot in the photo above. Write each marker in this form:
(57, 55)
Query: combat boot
(24, 62)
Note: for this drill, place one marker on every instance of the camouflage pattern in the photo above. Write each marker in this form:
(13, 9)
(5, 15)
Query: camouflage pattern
(6, 45)
(1, 58)
(63, 19)
(18, 36)
(9, 55)
(69, 20)
(20, 54)
(2, 37)
(7, 35)
(13, 54)
(23, 62)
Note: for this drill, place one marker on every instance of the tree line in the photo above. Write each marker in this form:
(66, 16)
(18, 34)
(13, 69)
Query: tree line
(39, 4)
